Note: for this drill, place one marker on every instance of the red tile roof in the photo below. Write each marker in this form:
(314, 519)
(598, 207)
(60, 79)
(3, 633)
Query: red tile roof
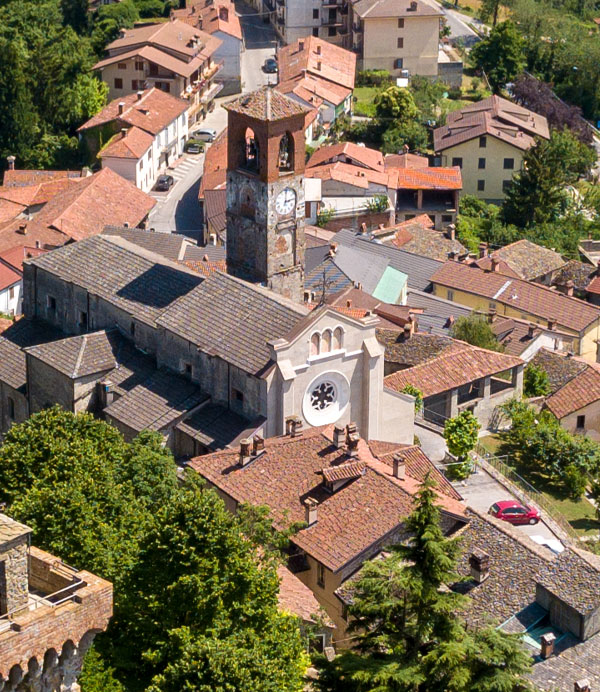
(37, 193)
(10, 210)
(295, 597)
(266, 104)
(152, 111)
(583, 389)
(133, 144)
(406, 161)
(317, 57)
(18, 177)
(594, 285)
(17, 255)
(451, 370)
(530, 298)
(314, 90)
(347, 152)
(207, 267)
(20, 230)
(524, 259)
(426, 178)
(358, 176)
(211, 17)
(354, 519)
(214, 176)
(8, 276)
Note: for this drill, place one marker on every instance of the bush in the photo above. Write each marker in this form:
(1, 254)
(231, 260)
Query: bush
(417, 393)
(375, 78)
(535, 381)
(455, 93)
(461, 434)
(324, 216)
(575, 481)
(378, 204)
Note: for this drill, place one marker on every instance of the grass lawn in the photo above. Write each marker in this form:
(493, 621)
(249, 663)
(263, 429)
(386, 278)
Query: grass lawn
(579, 513)
(364, 101)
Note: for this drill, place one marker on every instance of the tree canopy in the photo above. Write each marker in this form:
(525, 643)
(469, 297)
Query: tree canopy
(500, 55)
(475, 330)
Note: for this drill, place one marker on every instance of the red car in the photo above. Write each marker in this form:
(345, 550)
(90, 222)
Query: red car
(515, 513)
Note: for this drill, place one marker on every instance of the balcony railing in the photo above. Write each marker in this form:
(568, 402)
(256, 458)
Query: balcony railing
(213, 69)
(211, 93)
(331, 21)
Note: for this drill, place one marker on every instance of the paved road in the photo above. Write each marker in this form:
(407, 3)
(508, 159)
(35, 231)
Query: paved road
(260, 42)
(459, 24)
(432, 444)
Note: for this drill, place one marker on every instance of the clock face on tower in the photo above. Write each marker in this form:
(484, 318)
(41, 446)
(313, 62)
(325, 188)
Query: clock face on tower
(285, 202)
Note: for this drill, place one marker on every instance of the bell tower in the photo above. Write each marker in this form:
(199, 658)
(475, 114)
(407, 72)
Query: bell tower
(265, 195)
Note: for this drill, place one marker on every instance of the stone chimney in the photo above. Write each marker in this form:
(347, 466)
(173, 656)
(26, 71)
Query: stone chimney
(451, 230)
(495, 264)
(552, 323)
(569, 288)
(339, 437)
(483, 248)
(245, 456)
(121, 107)
(258, 444)
(531, 331)
(453, 256)
(547, 644)
(14, 565)
(582, 685)
(407, 331)
(293, 425)
(352, 439)
(11, 162)
(399, 467)
(310, 510)
(491, 316)
(479, 562)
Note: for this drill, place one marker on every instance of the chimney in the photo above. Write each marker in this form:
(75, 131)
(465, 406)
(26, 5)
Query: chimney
(495, 264)
(480, 565)
(451, 231)
(140, 95)
(569, 287)
(310, 510)
(352, 439)
(11, 162)
(258, 444)
(23, 228)
(491, 316)
(413, 6)
(582, 685)
(339, 437)
(14, 577)
(293, 424)
(548, 644)
(122, 33)
(531, 331)
(245, 456)
(399, 466)
(318, 65)
(552, 323)
(483, 247)
(449, 321)
(123, 132)
(363, 228)
(332, 249)
(121, 107)
(452, 256)
(300, 46)
(407, 331)
(319, 50)
(38, 244)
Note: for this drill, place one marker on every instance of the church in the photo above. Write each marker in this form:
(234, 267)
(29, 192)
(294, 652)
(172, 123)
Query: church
(116, 326)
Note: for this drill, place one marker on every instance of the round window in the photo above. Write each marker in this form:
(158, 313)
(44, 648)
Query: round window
(326, 398)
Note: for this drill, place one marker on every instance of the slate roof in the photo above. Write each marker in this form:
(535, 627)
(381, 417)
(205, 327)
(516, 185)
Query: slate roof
(217, 427)
(157, 403)
(351, 521)
(560, 369)
(11, 529)
(266, 104)
(527, 260)
(451, 369)
(574, 576)
(418, 269)
(438, 314)
(368, 274)
(419, 348)
(427, 242)
(215, 211)
(170, 245)
(247, 317)
(580, 273)
(335, 279)
(531, 298)
(142, 284)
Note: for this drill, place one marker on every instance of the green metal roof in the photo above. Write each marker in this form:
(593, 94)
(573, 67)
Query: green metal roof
(390, 286)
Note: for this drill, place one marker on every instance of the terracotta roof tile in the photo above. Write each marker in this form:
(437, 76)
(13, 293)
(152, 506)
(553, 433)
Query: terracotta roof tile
(594, 285)
(15, 256)
(211, 17)
(451, 370)
(358, 176)
(527, 260)
(318, 57)
(515, 335)
(295, 597)
(10, 210)
(266, 104)
(315, 90)
(531, 298)
(214, 175)
(425, 178)
(20, 177)
(578, 392)
(412, 161)
(8, 276)
(347, 152)
(133, 144)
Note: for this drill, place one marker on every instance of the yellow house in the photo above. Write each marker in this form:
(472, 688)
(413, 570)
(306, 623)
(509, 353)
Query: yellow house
(489, 291)
(396, 36)
(488, 141)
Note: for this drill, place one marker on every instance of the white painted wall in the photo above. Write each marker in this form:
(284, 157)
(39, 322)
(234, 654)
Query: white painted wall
(10, 299)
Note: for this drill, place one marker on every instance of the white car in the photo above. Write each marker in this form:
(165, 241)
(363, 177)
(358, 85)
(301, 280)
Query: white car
(205, 134)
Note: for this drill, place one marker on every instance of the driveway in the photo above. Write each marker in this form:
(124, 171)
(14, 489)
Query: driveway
(432, 444)
(260, 42)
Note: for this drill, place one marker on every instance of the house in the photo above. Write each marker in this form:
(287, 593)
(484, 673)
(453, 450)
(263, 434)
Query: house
(296, 20)
(220, 20)
(172, 56)
(524, 339)
(139, 135)
(435, 315)
(50, 613)
(11, 274)
(419, 237)
(523, 260)
(512, 297)
(400, 36)
(213, 184)
(353, 496)
(575, 277)
(452, 375)
(551, 601)
(483, 135)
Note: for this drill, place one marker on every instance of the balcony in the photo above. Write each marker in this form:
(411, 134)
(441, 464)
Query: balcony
(335, 3)
(212, 70)
(211, 93)
(331, 21)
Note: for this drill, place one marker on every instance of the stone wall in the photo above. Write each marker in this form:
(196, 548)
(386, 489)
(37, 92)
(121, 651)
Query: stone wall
(14, 585)
(373, 221)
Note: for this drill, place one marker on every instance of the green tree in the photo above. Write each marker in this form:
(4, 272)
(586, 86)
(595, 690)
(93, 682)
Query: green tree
(413, 134)
(417, 393)
(500, 55)
(395, 103)
(198, 610)
(75, 13)
(535, 381)
(461, 434)
(475, 330)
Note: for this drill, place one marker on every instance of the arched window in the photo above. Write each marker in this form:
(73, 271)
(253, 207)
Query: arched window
(252, 151)
(326, 345)
(338, 338)
(286, 152)
(315, 344)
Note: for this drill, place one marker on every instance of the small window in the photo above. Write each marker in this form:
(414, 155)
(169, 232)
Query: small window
(400, 23)
(237, 395)
(135, 85)
(457, 161)
(449, 295)
(122, 65)
(320, 575)
(400, 43)
(118, 83)
(139, 66)
(315, 14)
(51, 303)
(83, 320)
(480, 185)
(506, 185)
(446, 218)
(399, 63)
(331, 31)
(481, 164)
(10, 405)
(483, 142)
(509, 164)
(315, 32)
(11, 293)
(492, 306)
(580, 422)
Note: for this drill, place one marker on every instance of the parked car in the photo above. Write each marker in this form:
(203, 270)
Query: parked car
(194, 148)
(205, 134)
(515, 512)
(164, 182)
(270, 65)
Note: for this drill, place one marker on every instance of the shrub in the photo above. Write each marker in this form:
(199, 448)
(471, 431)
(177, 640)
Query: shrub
(535, 381)
(324, 216)
(375, 78)
(378, 204)
(417, 393)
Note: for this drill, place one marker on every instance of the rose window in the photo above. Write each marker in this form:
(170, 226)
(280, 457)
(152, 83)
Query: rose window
(322, 396)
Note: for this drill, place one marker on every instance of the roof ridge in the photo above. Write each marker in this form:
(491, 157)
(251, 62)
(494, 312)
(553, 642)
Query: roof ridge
(80, 355)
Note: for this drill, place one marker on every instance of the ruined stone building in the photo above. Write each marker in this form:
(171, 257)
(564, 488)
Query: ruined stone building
(49, 615)
(120, 327)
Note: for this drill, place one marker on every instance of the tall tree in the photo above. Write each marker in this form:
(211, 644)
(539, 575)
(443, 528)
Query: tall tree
(76, 14)
(475, 330)
(500, 55)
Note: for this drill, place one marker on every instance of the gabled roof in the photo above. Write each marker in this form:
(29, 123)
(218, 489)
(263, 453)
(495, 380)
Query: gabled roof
(357, 176)
(428, 242)
(317, 57)
(151, 110)
(438, 314)
(527, 260)
(38, 193)
(515, 335)
(531, 298)
(315, 90)
(559, 367)
(8, 276)
(425, 178)
(24, 177)
(131, 144)
(580, 391)
(417, 348)
(454, 368)
(412, 161)
(348, 152)
(211, 17)
(506, 111)
(266, 104)
(376, 9)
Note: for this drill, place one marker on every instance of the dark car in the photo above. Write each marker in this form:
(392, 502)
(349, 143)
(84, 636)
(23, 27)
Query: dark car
(515, 512)
(194, 148)
(270, 65)
(164, 182)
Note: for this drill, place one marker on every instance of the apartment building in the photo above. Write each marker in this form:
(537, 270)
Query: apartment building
(173, 56)
(396, 35)
(326, 19)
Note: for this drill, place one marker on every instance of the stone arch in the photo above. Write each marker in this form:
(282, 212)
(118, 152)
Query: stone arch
(338, 338)
(15, 675)
(251, 150)
(326, 341)
(86, 641)
(285, 158)
(315, 344)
